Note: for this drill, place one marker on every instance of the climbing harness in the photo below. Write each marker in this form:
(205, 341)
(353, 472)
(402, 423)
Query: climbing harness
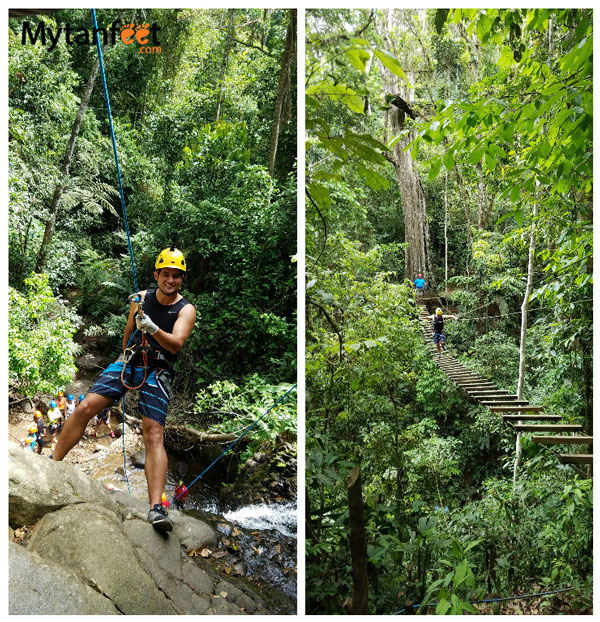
(130, 354)
(238, 439)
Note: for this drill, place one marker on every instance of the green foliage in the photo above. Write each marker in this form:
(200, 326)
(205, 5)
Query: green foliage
(503, 107)
(40, 345)
(229, 408)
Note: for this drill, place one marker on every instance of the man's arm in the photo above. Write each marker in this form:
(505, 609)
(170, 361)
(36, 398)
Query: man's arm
(173, 342)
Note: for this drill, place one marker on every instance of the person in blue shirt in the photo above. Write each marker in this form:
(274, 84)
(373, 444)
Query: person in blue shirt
(420, 284)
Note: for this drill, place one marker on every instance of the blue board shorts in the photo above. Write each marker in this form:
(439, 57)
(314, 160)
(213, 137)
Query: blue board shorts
(439, 338)
(154, 394)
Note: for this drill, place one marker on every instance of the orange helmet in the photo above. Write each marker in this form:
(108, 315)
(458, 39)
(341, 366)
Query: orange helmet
(38, 414)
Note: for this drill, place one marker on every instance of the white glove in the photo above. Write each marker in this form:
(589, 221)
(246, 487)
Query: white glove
(145, 323)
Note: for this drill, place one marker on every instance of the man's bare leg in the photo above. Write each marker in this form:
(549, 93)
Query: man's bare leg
(77, 422)
(156, 459)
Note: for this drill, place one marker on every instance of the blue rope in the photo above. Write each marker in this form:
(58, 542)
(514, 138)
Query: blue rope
(122, 195)
(237, 440)
(495, 600)
(114, 144)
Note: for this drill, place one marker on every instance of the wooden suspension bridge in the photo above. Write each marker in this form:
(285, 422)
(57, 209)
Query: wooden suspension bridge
(519, 413)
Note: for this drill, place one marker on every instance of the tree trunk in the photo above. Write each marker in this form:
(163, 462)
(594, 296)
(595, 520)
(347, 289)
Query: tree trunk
(225, 63)
(358, 544)
(414, 205)
(446, 233)
(284, 84)
(524, 318)
(64, 170)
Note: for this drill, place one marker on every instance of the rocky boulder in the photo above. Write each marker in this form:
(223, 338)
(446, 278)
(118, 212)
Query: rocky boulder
(90, 551)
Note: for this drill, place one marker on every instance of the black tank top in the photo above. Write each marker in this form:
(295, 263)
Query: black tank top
(164, 316)
(438, 324)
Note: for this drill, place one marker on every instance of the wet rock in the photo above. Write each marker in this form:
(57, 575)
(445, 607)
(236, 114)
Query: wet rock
(260, 457)
(28, 407)
(138, 459)
(90, 362)
(181, 468)
(250, 464)
(225, 528)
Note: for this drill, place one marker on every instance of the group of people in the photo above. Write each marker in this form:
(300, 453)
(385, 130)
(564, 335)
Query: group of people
(439, 337)
(61, 407)
(58, 412)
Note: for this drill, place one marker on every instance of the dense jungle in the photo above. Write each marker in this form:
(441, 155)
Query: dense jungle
(205, 127)
(456, 144)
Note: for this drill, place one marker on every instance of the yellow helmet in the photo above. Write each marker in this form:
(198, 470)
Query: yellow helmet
(438, 311)
(171, 258)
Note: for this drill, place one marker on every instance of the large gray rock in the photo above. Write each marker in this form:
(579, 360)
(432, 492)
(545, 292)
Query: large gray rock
(89, 362)
(92, 551)
(37, 486)
(191, 532)
(138, 459)
(89, 539)
(41, 587)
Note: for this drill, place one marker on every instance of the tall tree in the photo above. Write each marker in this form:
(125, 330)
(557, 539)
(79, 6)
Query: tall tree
(283, 86)
(414, 206)
(64, 169)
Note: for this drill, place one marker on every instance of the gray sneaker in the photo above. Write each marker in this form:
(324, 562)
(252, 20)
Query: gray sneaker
(159, 518)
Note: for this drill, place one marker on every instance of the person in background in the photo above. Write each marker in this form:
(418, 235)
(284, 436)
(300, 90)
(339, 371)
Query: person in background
(38, 420)
(61, 400)
(103, 418)
(54, 419)
(164, 501)
(30, 443)
(70, 406)
(181, 495)
(420, 285)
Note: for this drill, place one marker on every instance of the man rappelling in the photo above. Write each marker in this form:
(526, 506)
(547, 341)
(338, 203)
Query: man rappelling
(164, 320)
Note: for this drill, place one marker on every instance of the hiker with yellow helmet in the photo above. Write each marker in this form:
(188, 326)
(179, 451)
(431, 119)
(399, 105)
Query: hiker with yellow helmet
(439, 338)
(164, 320)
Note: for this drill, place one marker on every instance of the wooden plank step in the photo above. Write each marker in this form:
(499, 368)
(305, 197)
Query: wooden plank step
(463, 375)
(467, 385)
(516, 409)
(540, 427)
(492, 397)
(563, 440)
(577, 458)
(507, 403)
(525, 416)
(485, 392)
